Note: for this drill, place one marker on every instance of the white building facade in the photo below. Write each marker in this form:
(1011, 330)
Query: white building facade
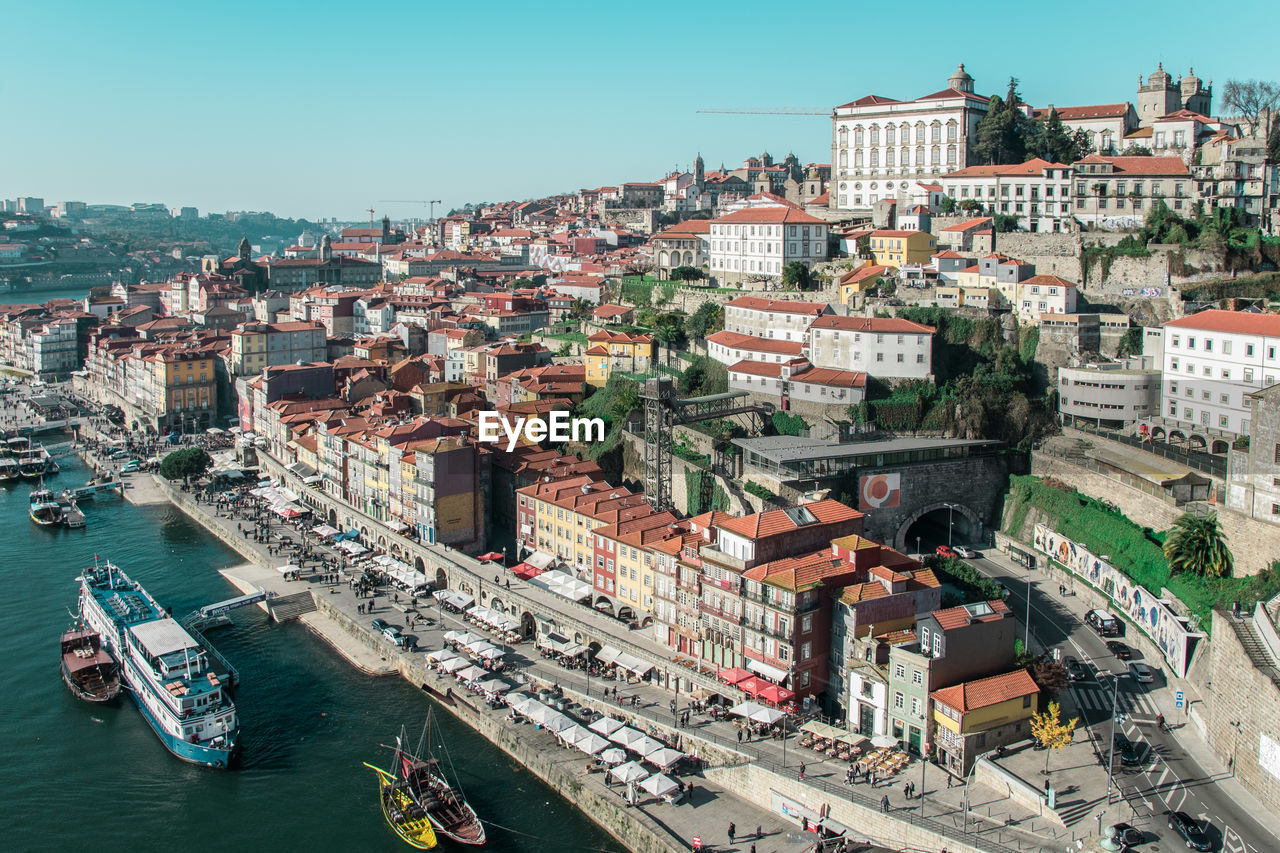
(1037, 192)
(781, 319)
(757, 242)
(883, 347)
(881, 147)
(1212, 361)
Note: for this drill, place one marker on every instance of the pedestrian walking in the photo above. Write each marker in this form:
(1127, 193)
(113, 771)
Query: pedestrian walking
(732, 832)
(739, 735)
(884, 803)
(802, 771)
(759, 833)
(906, 790)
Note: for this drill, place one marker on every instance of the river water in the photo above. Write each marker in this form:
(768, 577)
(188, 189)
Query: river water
(79, 776)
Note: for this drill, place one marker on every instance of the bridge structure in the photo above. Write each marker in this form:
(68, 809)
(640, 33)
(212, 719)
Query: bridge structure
(663, 411)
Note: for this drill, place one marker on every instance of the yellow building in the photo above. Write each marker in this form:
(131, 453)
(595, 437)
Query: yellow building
(898, 248)
(981, 715)
(624, 567)
(861, 279)
(186, 390)
(616, 351)
(558, 517)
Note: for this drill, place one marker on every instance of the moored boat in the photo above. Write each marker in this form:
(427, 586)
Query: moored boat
(8, 469)
(405, 817)
(444, 804)
(89, 672)
(34, 463)
(179, 685)
(44, 510)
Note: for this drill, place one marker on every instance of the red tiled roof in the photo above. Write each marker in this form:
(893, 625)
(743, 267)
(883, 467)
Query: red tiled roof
(869, 101)
(1141, 165)
(986, 692)
(948, 254)
(957, 617)
(780, 306)
(831, 377)
(689, 226)
(775, 521)
(771, 215)
(1234, 322)
(895, 325)
(734, 340)
(770, 369)
(1032, 167)
(1090, 111)
(799, 573)
(969, 225)
(1051, 280)
(953, 93)
(863, 273)
(1184, 115)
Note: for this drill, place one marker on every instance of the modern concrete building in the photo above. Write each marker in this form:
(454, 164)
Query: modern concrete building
(1112, 396)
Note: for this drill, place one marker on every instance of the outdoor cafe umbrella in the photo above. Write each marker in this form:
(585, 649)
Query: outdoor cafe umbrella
(626, 737)
(645, 745)
(660, 785)
(768, 716)
(664, 757)
(613, 756)
(574, 735)
(559, 723)
(471, 673)
(593, 743)
(775, 694)
(491, 653)
(744, 709)
(442, 655)
(606, 726)
(884, 741)
(454, 664)
(629, 772)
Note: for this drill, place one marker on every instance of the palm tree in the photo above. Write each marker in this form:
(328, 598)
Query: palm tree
(1198, 546)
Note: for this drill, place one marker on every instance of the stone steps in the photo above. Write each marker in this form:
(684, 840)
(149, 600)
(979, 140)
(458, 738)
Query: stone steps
(286, 607)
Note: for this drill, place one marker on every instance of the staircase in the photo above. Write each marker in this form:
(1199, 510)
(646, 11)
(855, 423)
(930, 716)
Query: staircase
(1254, 648)
(286, 607)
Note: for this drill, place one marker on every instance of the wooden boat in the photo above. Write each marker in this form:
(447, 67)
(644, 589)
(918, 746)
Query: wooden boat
(424, 781)
(44, 510)
(89, 672)
(405, 817)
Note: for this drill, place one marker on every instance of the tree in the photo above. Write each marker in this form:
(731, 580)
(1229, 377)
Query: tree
(1273, 142)
(1050, 676)
(707, 319)
(566, 349)
(185, 464)
(687, 273)
(969, 205)
(796, 275)
(1251, 98)
(580, 308)
(1136, 150)
(1003, 132)
(1053, 141)
(1198, 546)
(1050, 732)
(948, 205)
(625, 401)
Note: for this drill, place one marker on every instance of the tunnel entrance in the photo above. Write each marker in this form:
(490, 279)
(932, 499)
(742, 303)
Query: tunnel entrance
(940, 524)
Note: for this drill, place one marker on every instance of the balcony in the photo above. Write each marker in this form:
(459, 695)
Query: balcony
(719, 613)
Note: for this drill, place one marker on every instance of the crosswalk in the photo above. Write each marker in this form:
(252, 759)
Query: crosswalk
(1095, 697)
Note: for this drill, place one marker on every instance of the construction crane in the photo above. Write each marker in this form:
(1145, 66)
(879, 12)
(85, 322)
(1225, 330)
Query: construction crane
(778, 111)
(431, 204)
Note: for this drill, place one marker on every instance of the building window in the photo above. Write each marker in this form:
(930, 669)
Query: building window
(898, 701)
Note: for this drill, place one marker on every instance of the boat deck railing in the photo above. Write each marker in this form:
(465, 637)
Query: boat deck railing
(220, 663)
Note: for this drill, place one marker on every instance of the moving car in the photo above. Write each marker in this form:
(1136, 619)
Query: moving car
(1120, 650)
(1128, 751)
(1127, 835)
(1076, 671)
(967, 553)
(1186, 826)
(945, 551)
(1141, 673)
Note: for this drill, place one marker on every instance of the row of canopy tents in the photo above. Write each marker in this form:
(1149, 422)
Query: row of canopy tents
(402, 573)
(599, 738)
(472, 644)
(494, 619)
(281, 501)
(453, 598)
(619, 658)
(464, 670)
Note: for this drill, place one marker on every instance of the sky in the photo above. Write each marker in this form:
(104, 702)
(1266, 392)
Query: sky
(322, 109)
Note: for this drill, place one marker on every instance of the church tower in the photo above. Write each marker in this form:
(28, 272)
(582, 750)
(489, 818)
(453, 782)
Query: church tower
(1195, 97)
(699, 172)
(1158, 97)
(245, 249)
(326, 249)
(386, 229)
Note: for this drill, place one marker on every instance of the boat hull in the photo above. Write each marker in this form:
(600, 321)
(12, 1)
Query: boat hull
(193, 753)
(108, 691)
(418, 834)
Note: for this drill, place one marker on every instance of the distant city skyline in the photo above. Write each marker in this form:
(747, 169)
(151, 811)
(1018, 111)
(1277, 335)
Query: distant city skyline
(313, 111)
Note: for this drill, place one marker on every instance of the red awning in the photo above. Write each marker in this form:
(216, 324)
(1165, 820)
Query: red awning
(752, 685)
(775, 694)
(524, 571)
(491, 557)
(733, 676)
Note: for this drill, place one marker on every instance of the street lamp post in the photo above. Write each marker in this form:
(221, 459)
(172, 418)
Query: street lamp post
(1026, 639)
(967, 779)
(1111, 749)
(951, 514)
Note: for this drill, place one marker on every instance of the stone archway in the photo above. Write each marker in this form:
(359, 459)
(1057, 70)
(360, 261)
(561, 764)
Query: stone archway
(419, 565)
(900, 538)
(1220, 446)
(1197, 442)
(382, 542)
(1157, 434)
(527, 626)
(364, 533)
(603, 604)
(495, 603)
(442, 577)
(333, 518)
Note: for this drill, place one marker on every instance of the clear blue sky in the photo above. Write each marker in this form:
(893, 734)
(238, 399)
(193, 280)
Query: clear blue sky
(321, 109)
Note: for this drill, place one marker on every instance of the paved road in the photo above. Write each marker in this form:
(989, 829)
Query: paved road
(1170, 778)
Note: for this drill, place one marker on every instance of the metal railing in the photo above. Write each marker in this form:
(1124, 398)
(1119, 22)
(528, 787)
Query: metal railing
(1204, 462)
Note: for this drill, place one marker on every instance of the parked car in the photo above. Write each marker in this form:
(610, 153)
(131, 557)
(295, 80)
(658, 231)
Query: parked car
(393, 635)
(1120, 650)
(1103, 622)
(967, 553)
(1187, 827)
(131, 466)
(1128, 751)
(1126, 835)
(1077, 671)
(119, 454)
(380, 625)
(945, 551)
(1141, 673)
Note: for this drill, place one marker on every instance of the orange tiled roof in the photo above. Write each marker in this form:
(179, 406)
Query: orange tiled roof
(799, 573)
(986, 692)
(772, 522)
(957, 617)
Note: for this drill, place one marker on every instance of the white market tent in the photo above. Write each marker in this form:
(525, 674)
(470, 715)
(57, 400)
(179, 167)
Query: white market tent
(660, 785)
(606, 726)
(629, 772)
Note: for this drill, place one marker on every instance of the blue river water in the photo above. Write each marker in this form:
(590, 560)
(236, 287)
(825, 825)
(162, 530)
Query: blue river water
(78, 776)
